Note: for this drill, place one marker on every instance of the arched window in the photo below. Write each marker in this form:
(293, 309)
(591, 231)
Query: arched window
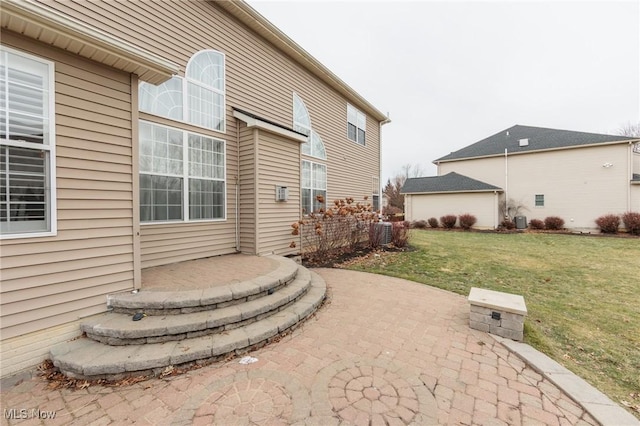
(206, 90)
(164, 100)
(301, 119)
(198, 99)
(314, 146)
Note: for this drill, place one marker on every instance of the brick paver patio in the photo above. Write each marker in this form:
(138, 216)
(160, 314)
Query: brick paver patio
(381, 351)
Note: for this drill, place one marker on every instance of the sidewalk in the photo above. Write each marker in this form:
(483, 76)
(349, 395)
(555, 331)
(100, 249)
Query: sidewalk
(381, 351)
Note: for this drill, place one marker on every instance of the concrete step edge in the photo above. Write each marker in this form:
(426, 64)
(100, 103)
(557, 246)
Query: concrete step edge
(119, 329)
(176, 302)
(87, 359)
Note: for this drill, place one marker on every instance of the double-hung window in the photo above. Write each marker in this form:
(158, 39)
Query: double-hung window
(539, 200)
(376, 193)
(356, 125)
(182, 175)
(27, 145)
(314, 186)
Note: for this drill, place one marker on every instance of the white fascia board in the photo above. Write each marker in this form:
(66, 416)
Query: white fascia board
(263, 125)
(37, 21)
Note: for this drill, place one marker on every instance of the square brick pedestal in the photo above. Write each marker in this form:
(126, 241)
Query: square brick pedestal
(497, 313)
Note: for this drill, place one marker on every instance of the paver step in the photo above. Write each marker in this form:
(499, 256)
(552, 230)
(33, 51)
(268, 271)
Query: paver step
(88, 359)
(175, 303)
(119, 329)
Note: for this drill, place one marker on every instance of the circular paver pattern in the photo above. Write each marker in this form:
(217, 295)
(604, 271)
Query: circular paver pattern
(248, 397)
(249, 401)
(374, 391)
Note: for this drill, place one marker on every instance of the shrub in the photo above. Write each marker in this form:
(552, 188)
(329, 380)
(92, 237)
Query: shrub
(448, 221)
(419, 224)
(433, 222)
(400, 234)
(609, 223)
(507, 224)
(344, 225)
(536, 224)
(553, 223)
(467, 220)
(632, 222)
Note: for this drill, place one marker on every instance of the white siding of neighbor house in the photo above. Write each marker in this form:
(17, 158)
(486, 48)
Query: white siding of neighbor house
(483, 205)
(48, 282)
(575, 184)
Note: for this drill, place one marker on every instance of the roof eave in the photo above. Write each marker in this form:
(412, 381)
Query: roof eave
(250, 17)
(453, 192)
(531, 151)
(38, 22)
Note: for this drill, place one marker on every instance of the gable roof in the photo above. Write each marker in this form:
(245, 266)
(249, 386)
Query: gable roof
(451, 182)
(539, 139)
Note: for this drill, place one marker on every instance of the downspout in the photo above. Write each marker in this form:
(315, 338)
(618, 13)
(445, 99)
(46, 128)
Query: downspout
(237, 185)
(629, 174)
(506, 185)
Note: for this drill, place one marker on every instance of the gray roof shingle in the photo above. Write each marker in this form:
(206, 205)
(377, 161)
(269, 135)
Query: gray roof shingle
(539, 138)
(451, 182)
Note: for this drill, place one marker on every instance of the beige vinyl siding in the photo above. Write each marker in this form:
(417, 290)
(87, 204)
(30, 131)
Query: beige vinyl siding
(50, 281)
(247, 197)
(260, 78)
(575, 185)
(278, 164)
(483, 205)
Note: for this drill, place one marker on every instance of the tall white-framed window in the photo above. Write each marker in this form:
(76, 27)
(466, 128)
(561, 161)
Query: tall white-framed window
(539, 200)
(375, 202)
(314, 187)
(199, 98)
(182, 175)
(356, 125)
(27, 145)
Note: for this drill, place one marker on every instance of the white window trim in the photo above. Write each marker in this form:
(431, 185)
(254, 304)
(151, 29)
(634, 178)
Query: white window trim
(185, 179)
(185, 98)
(51, 203)
(312, 188)
(535, 199)
(359, 114)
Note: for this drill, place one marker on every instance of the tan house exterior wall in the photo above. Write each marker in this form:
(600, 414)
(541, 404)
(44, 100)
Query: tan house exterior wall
(279, 164)
(575, 185)
(483, 205)
(50, 281)
(260, 79)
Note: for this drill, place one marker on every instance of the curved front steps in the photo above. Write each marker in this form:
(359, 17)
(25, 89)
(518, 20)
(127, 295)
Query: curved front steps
(123, 347)
(118, 328)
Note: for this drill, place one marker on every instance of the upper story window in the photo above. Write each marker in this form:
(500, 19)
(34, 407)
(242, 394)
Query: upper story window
(301, 118)
(356, 125)
(198, 99)
(314, 146)
(27, 145)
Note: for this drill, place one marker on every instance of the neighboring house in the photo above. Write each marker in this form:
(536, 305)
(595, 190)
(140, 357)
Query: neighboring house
(537, 172)
(137, 134)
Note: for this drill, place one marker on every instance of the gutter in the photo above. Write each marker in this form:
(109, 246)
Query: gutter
(38, 22)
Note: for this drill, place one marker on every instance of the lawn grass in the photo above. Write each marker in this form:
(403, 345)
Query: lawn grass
(582, 293)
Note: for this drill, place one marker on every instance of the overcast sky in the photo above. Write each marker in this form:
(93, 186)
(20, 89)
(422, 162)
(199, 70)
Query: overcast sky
(451, 73)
